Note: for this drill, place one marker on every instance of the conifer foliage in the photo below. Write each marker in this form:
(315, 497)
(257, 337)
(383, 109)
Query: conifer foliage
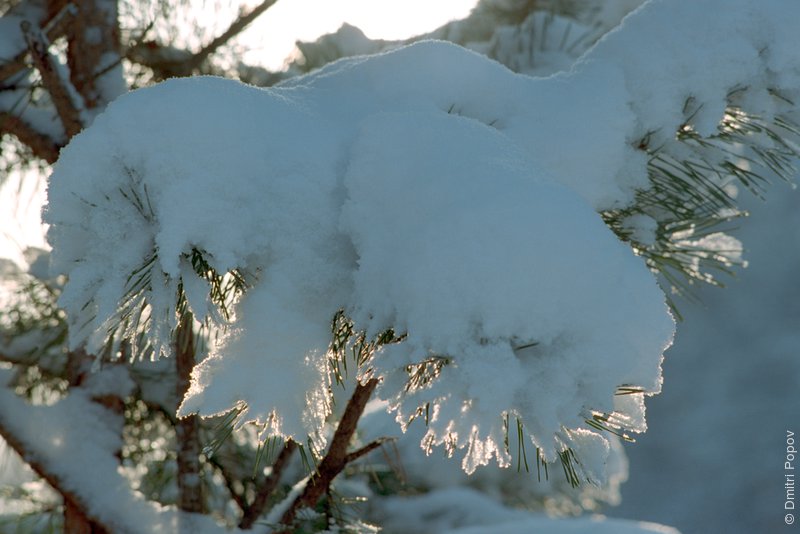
(416, 246)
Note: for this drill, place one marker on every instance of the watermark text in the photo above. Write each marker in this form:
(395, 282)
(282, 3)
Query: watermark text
(788, 473)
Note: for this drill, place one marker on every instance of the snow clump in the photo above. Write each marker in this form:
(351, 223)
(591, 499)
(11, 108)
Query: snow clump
(428, 190)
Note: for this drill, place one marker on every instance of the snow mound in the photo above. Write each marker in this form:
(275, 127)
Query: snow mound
(428, 190)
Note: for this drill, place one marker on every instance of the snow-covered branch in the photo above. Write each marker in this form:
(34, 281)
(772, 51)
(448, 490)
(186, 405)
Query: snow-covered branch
(93, 53)
(65, 99)
(476, 247)
(75, 436)
(41, 144)
(337, 457)
(53, 24)
(167, 61)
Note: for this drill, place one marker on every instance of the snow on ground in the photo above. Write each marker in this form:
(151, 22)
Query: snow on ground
(713, 457)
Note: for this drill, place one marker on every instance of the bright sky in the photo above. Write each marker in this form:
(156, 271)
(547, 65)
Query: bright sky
(275, 32)
(273, 36)
(20, 222)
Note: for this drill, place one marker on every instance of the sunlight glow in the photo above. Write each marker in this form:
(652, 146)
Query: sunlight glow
(273, 35)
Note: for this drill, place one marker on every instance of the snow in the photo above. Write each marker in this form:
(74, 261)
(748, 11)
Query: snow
(401, 189)
(77, 436)
(465, 511)
(513, 486)
(654, 58)
(472, 274)
(296, 225)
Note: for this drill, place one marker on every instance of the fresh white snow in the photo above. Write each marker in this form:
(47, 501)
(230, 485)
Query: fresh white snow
(427, 189)
(75, 441)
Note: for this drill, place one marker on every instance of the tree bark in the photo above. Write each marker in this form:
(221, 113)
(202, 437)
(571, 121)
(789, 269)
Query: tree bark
(63, 100)
(76, 521)
(190, 498)
(337, 457)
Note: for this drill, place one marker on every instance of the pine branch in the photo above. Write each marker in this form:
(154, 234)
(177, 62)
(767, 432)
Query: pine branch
(265, 491)
(42, 145)
(336, 458)
(167, 61)
(56, 85)
(187, 429)
(75, 511)
(688, 198)
(233, 30)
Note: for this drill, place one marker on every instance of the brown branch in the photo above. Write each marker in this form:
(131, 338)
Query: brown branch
(52, 80)
(165, 61)
(259, 505)
(74, 508)
(229, 479)
(366, 449)
(54, 27)
(42, 145)
(233, 30)
(168, 61)
(336, 458)
(190, 497)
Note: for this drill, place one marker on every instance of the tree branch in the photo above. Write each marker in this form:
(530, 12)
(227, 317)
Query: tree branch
(366, 449)
(168, 61)
(190, 497)
(54, 26)
(42, 145)
(52, 80)
(336, 458)
(93, 47)
(259, 504)
(233, 30)
(228, 479)
(74, 508)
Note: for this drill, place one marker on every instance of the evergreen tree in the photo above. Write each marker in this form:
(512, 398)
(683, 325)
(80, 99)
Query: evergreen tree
(336, 284)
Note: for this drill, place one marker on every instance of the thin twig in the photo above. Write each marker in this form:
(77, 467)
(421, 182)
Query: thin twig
(254, 511)
(168, 61)
(366, 449)
(234, 29)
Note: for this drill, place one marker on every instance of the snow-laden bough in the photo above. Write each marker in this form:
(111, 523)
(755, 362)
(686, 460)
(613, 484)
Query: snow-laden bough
(427, 190)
